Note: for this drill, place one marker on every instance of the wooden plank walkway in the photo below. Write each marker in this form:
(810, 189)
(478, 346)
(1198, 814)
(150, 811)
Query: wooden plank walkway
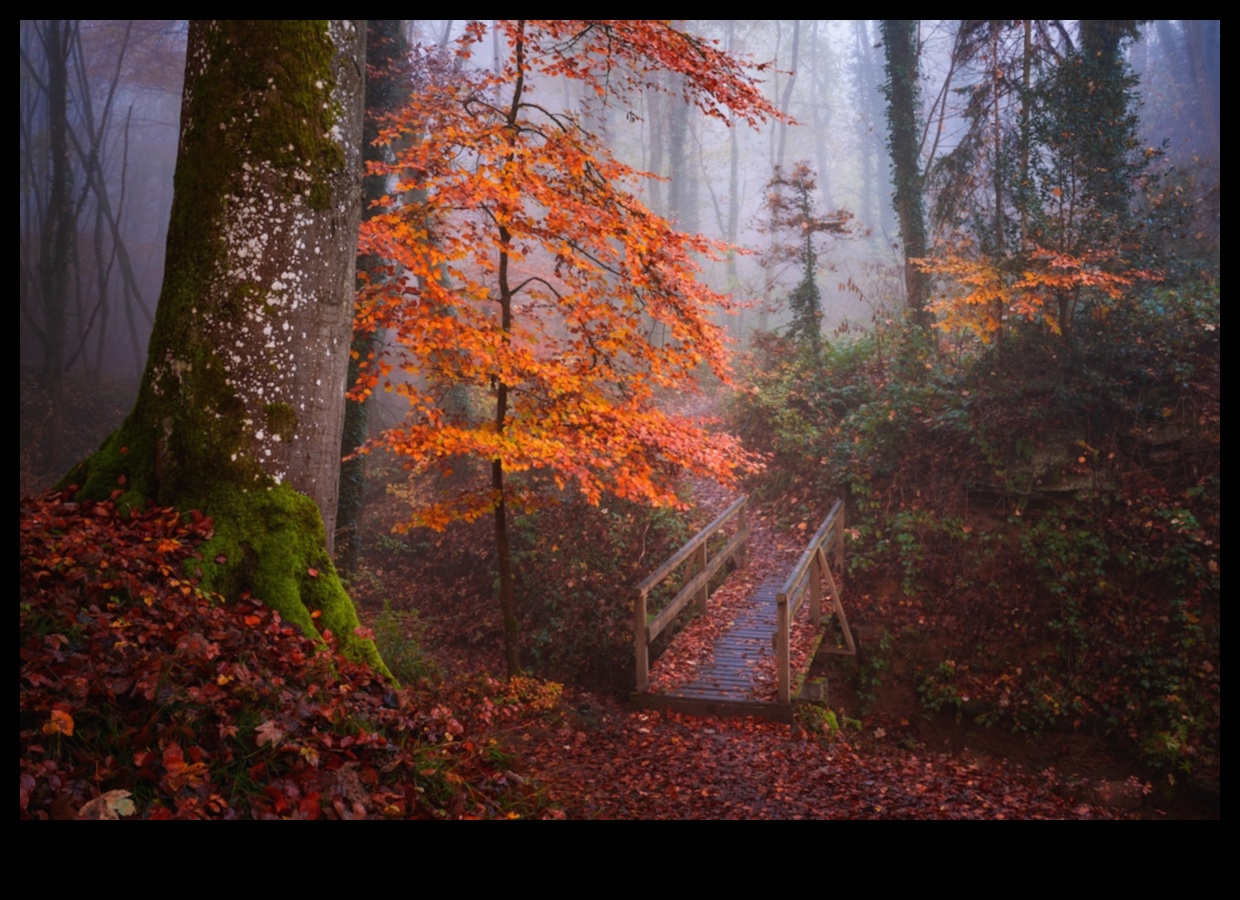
(730, 674)
(759, 629)
(725, 686)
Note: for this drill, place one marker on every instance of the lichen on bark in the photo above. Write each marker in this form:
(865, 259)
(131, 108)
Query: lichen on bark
(240, 410)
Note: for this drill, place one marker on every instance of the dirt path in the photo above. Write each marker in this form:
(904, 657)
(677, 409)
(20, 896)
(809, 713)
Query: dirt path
(618, 765)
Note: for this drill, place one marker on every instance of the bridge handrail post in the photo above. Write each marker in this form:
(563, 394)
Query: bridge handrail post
(815, 588)
(698, 565)
(783, 645)
(641, 641)
(742, 553)
(839, 539)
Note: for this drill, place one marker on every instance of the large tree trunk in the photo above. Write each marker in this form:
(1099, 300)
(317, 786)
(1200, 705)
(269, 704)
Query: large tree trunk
(242, 402)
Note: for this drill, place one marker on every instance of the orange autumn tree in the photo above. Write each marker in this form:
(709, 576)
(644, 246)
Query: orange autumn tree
(533, 276)
(984, 296)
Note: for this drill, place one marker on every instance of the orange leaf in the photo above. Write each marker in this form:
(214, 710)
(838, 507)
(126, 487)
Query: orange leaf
(59, 723)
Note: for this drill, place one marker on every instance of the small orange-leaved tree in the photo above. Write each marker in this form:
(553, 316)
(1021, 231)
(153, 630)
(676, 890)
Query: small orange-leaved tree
(534, 277)
(988, 295)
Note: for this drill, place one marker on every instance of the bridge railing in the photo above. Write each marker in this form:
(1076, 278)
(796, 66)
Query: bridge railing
(700, 567)
(806, 581)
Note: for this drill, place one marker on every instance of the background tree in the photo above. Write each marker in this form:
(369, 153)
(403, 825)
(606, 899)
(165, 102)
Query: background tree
(795, 226)
(1075, 133)
(1203, 42)
(1179, 68)
(95, 174)
(538, 279)
(901, 90)
(971, 181)
(982, 187)
(56, 237)
(240, 410)
(1095, 109)
(388, 82)
(869, 116)
(1086, 163)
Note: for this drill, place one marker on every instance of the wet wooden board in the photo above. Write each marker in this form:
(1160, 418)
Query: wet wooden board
(730, 675)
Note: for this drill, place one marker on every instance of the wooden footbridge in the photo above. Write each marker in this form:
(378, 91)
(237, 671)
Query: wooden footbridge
(756, 632)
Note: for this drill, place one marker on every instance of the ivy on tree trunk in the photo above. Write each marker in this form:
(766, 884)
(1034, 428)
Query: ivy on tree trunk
(900, 42)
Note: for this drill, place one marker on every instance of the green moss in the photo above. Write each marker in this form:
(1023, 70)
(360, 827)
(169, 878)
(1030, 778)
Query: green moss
(281, 420)
(122, 462)
(267, 99)
(268, 541)
(291, 111)
(271, 542)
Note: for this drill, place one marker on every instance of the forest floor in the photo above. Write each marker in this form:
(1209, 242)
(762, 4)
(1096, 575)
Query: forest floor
(596, 759)
(878, 755)
(94, 406)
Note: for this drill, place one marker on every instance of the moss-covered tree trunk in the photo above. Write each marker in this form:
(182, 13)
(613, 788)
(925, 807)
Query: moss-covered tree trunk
(901, 88)
(242, 402)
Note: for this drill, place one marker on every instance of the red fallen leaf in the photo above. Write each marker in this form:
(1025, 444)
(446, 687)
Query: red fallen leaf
(252, 620)
(124, 449)
(121, 480)
(312, 572)
(268, 733)
(143, 757)
(221, 559)
(309, 806)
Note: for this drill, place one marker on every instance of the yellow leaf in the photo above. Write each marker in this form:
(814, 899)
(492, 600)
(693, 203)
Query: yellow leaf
(59, 723)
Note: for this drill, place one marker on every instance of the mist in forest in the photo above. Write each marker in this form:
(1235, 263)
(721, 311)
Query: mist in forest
(99, 108)
(498, 345)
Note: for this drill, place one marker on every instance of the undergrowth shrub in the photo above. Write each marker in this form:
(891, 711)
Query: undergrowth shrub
(577, 568)
(398, 635)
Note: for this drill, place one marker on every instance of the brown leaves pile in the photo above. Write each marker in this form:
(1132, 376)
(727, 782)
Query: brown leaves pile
(140, 695)
(668, 766)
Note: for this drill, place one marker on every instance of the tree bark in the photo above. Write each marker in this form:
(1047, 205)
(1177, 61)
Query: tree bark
(242, 401)
(679, 190)
(900, 42)
(57, 239)
(503, 554)
(387, 88)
